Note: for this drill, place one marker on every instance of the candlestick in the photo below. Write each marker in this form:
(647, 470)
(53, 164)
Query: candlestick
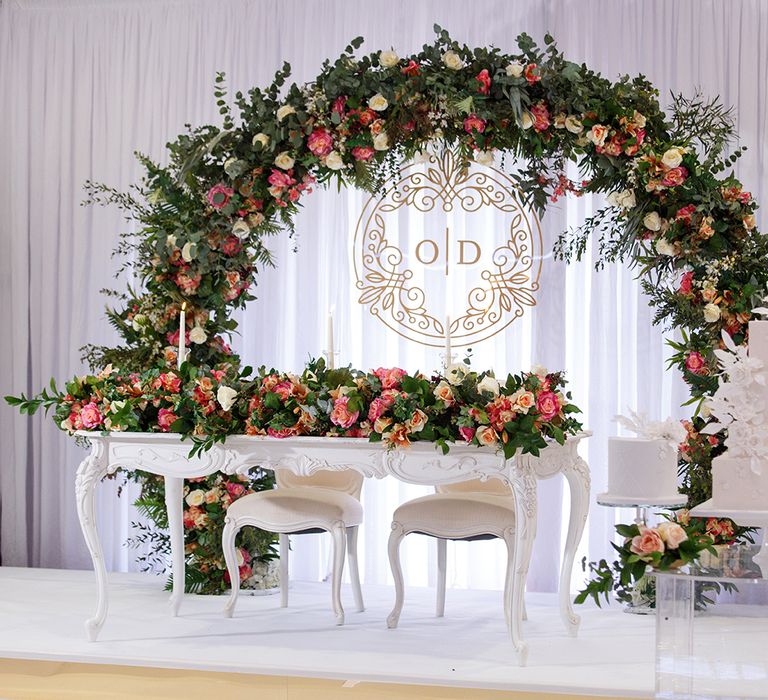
(331, 350)
(448, 355)
(181, 355)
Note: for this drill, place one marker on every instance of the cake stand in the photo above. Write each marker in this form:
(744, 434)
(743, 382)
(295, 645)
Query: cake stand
(641, 506)
(754, 518)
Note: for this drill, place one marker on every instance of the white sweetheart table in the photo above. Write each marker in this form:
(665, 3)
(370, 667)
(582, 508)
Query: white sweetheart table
(166, 454)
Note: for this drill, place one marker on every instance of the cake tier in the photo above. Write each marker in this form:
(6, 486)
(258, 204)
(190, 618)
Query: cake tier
(642, 470)
(738, 484)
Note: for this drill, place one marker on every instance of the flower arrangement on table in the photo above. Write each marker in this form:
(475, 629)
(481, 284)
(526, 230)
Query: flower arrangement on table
(384, 405)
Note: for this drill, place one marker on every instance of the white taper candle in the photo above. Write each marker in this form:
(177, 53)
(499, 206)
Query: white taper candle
(182, 336)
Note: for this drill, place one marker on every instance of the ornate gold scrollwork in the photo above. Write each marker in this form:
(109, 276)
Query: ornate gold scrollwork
(499, 290)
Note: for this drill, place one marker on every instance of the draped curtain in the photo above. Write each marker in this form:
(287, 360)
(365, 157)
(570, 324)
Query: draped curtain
(84, 84)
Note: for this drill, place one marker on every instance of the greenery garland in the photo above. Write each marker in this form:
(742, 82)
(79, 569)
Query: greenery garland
(674, 213)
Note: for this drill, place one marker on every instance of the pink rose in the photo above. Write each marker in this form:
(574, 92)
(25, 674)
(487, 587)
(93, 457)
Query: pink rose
(390, 378)
(281, 433)
(91, 416)
(171, 381)
(219, 195)
(377, 409)
(235, 490)
(467, 433)
(548, 405)
(166, 418)
(341, 415)
(320, 142)
(646, 542)
(486, 435)
(280, 179)
(686, 283)
(540, 114)
(362, 153)
(339, 105)
(485, 82)
(675, 177)
(474, 123)
(684, 214)
(231, 246)
(695, 363)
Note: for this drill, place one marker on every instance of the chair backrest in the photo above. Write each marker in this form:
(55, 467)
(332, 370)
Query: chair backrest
(346, 480)
(492, 486)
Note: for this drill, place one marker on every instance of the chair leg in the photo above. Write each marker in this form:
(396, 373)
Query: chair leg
(395, 538)
(442, 552)
(284, 554)
(354, 569)
(339, 536)
(230, 557)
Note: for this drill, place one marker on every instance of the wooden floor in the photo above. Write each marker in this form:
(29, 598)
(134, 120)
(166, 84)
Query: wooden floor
(51, 680)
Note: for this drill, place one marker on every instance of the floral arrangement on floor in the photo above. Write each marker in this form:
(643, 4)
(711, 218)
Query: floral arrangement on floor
(203, 221)
(677, 540)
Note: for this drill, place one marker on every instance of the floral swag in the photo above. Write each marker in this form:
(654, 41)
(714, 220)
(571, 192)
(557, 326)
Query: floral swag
(203, 221)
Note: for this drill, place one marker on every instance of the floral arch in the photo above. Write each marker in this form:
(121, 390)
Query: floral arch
(688, 227)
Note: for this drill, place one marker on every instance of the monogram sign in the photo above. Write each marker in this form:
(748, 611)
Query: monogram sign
(446, 241)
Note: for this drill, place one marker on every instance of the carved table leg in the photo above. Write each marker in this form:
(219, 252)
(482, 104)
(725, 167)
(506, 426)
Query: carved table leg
(577, 475)
(90, 472)
(524, 486)
(174, 488)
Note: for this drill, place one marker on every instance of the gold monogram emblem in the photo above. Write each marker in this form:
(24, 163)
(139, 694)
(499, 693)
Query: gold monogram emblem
(481, 269)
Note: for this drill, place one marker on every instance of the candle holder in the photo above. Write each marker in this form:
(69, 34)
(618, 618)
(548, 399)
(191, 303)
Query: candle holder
(330, 358)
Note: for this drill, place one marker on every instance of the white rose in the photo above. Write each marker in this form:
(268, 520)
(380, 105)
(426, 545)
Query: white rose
(170, 241)
(652, 221)
(261, 138)
(198, 335)
(527, 120)
(515, 69)
(284, 161)
(378, 103)
(196, 497)
(139, 321)
(484, 157)
(388, 59)
(188, 251)
(381, 142)
(489, 385)
(673, 157)
(624, 199)
(573, 124)
(455, 373)
(240, 557)
(333, 161)
(284, 111)
(226, 397)
(711, 312)
(452, 60)
(664, 247)
(638, 120)
(241, 229)
(539, 370)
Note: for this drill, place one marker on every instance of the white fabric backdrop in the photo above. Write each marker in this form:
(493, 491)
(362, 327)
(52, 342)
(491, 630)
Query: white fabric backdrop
(86, 83)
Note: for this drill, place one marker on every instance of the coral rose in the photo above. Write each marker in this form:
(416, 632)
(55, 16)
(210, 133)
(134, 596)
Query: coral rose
(675, 177)
(320, 142)
(90, 416)
(484, 80)
(341, 415)
(362, 153)
(474, 123)
(390, 378)
(695, 363)
(647, 542)
(165, 419)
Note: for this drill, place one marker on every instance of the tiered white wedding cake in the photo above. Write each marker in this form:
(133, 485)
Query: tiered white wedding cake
(643, 470)
(740, 476)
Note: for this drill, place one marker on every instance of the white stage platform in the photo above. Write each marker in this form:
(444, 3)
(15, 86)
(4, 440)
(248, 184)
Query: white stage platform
(42, 614)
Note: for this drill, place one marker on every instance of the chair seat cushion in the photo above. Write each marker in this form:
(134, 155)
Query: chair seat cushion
(299, 508)
(458, 515)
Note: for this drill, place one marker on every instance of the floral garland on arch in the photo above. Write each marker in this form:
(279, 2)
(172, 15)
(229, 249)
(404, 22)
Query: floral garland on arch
(204, 220)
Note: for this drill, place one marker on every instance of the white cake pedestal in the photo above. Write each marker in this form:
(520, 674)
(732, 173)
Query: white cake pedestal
(754, 518)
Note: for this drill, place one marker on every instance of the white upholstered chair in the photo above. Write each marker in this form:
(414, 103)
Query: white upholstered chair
(326, 501)
(469, 510)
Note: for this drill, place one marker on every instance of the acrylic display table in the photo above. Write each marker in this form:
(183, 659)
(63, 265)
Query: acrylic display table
(717, 650)
(166, 455)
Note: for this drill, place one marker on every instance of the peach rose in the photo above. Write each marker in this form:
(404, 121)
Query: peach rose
(341, 415)
(417, 421)
(597, 134)
(672, 534)
(380, 425)
(525, 400)
(444, 393)
(675, 177)
(647, 542)
(486, 435)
